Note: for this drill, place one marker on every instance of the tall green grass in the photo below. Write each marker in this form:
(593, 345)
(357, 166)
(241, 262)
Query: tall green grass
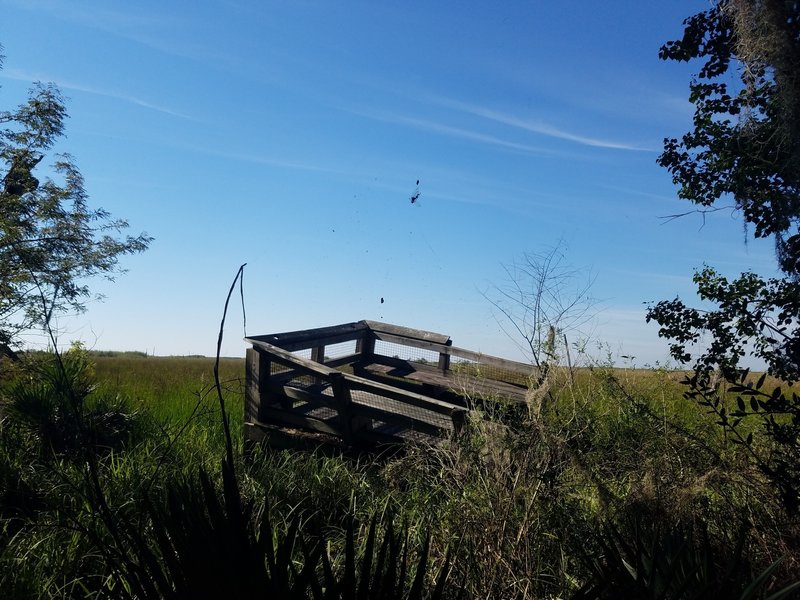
(520, 500)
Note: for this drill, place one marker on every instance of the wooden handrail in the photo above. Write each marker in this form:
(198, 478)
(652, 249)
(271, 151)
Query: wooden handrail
(284, 357)
(407, 332)
(361, 400)
(488, 359)
(410, 398)
(310, 338)
(309, 367)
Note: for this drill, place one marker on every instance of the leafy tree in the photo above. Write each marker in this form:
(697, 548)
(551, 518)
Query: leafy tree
(51, 241)
(745, 145)
(744, 149)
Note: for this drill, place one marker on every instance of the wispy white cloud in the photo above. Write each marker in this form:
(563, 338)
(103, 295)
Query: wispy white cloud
(18, 75)
(156, 31)
(457, 132)
(272, 162)
(88, 13)
(537, 126)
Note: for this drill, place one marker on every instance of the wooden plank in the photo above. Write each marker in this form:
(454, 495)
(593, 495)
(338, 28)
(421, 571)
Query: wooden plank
(348, 417)
(418, 400)
(388, 376)
(305, 344)
(454, 382)
(318, 354)
(307, 338)
(465, 385)
(399, 408)
(277, 416)
(404, 402)
(406, 421)
(401, 370)
(283, 356)
(425, 388)
(313, 334)
(411, 342)
(256, 375)
(408, 332)
(487, 359)
(361, 413)
(300, 395)
(286, 438)
(444, 362)
(348, 359)
(365, 346)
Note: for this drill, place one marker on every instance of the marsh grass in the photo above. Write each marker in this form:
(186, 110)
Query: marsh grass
(517, 499)
(169, 388)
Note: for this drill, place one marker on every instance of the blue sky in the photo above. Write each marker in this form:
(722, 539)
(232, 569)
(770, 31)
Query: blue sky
(290, 136)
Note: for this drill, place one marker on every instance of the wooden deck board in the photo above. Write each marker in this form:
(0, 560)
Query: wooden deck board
(461, 384)
(399, 408)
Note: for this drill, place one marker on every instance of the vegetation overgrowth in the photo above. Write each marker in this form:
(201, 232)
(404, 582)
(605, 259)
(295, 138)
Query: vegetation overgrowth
(608, 484)
(120, 478)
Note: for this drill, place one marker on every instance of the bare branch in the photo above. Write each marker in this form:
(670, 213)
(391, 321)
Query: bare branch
(700, 211)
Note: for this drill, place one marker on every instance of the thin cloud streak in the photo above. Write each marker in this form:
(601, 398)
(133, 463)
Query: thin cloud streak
(537, 126)
(128, 25)
(457, 132)
(261, 160)
(17, 75)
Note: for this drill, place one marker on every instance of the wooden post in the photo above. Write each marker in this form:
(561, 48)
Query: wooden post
(350, 423)
(318, 355)
(256, 377)
(444, 360)
(365, 346)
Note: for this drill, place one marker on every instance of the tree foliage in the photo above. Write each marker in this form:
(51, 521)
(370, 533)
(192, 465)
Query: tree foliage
(51, 241)
(744, 148)
(745, 145)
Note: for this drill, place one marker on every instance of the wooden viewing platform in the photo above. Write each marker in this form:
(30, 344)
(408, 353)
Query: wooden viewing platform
(368, 383)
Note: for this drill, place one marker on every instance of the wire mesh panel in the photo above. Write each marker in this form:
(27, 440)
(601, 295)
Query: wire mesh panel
(400, 410)
(409, 353)
(276, 368)
(339, 350)
(481, 370)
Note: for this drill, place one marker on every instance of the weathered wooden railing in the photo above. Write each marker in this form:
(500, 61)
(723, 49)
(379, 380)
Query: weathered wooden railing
(367, 392)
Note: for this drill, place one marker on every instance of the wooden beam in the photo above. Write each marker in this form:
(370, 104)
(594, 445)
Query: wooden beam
(299, 395)
(393, 418)
(308, 338)
(276, 416)
(256, 381)
(318, 354)
(284, 357)
(444, 362)
(365, 346)
(388, 391)
(343, 360)
(487, 359)
(351, 421)
(456, 383)
(411, 342)
(408, 332)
